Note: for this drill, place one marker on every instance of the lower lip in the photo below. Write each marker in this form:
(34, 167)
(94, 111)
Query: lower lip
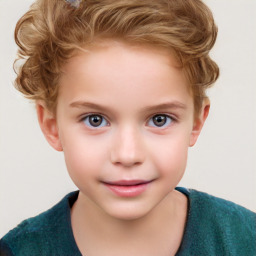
(128, 191)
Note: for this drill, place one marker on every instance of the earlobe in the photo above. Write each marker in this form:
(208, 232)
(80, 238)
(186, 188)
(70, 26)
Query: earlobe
(48, 125)
(199, 123)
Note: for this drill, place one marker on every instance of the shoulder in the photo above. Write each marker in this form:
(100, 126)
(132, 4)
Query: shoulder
(222, 211)
(223, 226)
(34, 235)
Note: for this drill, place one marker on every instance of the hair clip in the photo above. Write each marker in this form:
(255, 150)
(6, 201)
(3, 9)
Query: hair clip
(74, 3)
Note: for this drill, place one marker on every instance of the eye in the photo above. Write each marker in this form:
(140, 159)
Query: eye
(160, 120)
(95, 121)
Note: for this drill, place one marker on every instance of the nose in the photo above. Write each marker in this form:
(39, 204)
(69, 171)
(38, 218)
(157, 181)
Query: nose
(127, 148)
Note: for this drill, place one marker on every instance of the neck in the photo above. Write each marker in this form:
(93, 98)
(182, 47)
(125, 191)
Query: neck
(90, 223)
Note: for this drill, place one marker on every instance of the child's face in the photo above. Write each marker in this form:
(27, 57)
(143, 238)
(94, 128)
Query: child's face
(125, 122)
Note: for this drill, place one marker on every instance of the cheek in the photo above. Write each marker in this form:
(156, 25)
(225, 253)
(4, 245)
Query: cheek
(174, 159)
(83, 155)
(171, 154)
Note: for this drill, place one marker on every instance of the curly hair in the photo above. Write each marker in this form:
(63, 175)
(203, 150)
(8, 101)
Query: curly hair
(50, 32)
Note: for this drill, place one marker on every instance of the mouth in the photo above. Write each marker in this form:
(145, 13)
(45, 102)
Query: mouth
(127, 182)
(128, 188)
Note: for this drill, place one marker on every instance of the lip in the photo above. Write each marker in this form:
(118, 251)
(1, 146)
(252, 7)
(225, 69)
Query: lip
(128, 188)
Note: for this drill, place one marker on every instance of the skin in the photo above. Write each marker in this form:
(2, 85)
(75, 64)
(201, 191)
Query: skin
(125, 87)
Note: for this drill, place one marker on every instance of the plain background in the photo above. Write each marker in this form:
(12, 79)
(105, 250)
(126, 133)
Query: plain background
(33, 176)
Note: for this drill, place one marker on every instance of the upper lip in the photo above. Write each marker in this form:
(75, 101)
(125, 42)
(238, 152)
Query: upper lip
(127, 182)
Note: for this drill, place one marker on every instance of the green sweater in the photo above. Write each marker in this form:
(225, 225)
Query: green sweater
(214, 227)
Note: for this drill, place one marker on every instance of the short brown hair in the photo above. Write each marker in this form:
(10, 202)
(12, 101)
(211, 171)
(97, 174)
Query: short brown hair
(51, 30)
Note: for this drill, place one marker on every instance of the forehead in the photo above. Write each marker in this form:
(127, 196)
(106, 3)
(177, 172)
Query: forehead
(115, 52)
(121, 71)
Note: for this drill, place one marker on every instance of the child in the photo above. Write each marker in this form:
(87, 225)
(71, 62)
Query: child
(120, 88)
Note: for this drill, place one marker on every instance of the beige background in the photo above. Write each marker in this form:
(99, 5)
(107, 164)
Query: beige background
(33, 176)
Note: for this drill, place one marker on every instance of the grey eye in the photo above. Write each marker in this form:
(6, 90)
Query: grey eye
(160, 121)
(95, 121)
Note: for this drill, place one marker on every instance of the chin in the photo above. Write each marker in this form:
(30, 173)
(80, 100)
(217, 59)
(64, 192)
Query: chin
(128, 212)
(125, 216)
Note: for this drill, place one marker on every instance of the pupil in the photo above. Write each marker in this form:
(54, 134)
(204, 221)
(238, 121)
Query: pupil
(159, 120)
(95, 120)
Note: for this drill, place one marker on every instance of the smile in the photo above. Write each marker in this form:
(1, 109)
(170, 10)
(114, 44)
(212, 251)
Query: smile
(128, 188)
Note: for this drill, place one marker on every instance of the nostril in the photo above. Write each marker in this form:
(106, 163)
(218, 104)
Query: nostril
(126, 160)
(127, 150)
(126, 163)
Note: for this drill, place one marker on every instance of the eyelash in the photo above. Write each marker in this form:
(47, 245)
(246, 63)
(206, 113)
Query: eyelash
(86, 120)
(170, 119)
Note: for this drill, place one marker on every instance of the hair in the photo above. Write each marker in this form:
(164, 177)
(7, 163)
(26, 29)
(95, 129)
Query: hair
(52, 30)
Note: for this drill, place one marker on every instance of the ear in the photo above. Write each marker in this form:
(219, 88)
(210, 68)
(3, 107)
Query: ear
(199, 122)
(48, 124)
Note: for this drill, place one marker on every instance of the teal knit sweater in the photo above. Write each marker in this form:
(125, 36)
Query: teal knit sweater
(214, 227)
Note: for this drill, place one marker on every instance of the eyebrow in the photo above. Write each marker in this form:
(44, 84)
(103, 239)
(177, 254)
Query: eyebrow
(158, 107)
(166, 105)
(85, 104)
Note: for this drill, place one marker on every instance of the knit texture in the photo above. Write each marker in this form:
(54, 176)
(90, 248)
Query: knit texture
(218, 227)
(214, 227)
